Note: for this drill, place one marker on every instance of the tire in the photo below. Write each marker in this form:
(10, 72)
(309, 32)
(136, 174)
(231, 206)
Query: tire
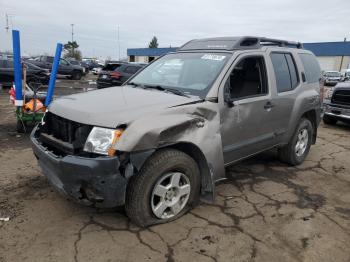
(76, 75)
(20, 126)
(289, 153)
(328, 120)
(142, 197)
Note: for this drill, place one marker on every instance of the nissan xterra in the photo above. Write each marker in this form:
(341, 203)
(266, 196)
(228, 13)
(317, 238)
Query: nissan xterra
(161, 141)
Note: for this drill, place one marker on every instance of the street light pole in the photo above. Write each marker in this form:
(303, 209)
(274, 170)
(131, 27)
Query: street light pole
(72, 25)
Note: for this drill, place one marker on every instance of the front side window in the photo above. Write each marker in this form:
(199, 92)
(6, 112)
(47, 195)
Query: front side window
(191, 73)
(247, 79)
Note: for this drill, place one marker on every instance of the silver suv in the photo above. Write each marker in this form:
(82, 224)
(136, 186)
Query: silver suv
(162, 140)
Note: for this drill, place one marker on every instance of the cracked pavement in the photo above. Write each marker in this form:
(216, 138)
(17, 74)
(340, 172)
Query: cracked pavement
(265, 211)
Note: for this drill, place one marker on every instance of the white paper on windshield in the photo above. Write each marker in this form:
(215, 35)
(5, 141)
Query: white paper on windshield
(213, 57)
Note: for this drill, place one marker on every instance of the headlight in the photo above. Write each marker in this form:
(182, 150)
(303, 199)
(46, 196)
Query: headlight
(329, 94)
(101, 140)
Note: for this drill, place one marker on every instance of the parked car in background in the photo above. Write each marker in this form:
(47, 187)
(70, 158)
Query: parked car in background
(161, 141)
(337, 104)
(65, 68)
(96, 70)
(331, 78)
(80, 63)
(34, 73)
(118, 76)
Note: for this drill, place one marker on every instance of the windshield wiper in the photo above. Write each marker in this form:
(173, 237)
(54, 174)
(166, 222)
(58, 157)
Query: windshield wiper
(168, 89)
(134, 84)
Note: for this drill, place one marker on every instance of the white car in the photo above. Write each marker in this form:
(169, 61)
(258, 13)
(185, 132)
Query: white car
(96, 70)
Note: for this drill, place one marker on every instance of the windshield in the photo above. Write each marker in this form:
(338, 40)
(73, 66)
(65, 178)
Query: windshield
(333, 74)
(191, 73)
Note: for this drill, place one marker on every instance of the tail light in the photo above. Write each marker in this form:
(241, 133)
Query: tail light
(115, 75)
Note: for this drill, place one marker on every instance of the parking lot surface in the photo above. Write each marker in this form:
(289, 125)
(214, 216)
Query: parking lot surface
(265, 211)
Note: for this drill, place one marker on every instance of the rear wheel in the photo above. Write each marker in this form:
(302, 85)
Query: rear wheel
(76, 75)
(328, 120)
(295, 152)
(167, 186)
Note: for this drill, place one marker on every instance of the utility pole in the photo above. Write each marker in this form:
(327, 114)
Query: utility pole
(342, 58)
(8, 22)
(118, 43)
(72, 25)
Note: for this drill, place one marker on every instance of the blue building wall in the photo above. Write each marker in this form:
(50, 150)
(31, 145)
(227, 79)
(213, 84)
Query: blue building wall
(329, 48)
(319, 49)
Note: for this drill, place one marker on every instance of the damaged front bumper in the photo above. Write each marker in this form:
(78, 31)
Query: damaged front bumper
(89, 181)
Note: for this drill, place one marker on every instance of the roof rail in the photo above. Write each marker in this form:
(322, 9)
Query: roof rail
(233, 43)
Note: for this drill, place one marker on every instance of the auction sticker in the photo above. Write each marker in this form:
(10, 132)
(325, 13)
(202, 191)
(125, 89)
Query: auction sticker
(213, 57)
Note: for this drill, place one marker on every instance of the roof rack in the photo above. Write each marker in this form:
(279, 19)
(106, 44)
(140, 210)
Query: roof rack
(235, 43)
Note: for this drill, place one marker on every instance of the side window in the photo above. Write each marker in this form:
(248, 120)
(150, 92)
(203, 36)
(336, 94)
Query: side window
(280, 67)
(62, 62)
(131, 69)
(312, 68)
(248, 78)
(294, 79)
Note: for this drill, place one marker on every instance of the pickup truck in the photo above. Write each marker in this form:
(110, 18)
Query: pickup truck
(65, 68)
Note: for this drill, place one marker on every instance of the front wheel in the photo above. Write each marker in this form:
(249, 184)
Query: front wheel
(76, 75)
(295, 152)
(167, 186)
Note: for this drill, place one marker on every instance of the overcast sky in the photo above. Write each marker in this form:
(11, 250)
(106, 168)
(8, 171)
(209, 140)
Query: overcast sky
(43, 23)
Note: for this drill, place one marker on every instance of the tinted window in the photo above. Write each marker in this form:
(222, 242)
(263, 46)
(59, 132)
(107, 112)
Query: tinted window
(292, 70)
(131, 69)
(247, 79)
(312, 68)
(280, 67)
(111, 67)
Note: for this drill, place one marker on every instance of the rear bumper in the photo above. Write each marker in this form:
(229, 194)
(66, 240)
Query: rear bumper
(89, 181)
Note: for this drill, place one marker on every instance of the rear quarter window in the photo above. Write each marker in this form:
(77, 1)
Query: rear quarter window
(311, 67)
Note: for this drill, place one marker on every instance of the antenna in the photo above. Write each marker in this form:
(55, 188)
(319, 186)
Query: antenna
(118, 43)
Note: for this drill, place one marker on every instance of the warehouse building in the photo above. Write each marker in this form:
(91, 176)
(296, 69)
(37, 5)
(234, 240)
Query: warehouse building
(332, 56)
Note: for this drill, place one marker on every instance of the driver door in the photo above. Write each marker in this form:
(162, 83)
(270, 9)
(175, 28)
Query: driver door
(246, 122)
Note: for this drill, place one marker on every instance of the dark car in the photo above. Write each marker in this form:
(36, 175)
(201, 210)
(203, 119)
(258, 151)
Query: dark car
(117, 76)
(65, 68)
(337, 104)
(34, 73)
(83, 64)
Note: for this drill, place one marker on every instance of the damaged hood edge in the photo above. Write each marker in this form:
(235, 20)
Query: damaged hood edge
(114, 106)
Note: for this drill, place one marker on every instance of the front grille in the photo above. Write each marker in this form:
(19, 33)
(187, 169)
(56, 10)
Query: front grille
(341, 97)
(63, 136)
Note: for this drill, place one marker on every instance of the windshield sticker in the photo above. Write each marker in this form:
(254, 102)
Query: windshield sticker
(213, 57)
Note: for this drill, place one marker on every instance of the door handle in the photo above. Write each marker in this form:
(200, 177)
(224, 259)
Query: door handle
(268, 105)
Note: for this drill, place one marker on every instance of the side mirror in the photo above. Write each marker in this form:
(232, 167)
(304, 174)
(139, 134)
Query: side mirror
(228, 100)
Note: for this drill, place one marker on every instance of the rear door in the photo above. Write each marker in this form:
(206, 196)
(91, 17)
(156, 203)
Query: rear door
(285, 79)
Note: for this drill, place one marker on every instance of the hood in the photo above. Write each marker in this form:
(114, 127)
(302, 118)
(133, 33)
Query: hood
(111, 107)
